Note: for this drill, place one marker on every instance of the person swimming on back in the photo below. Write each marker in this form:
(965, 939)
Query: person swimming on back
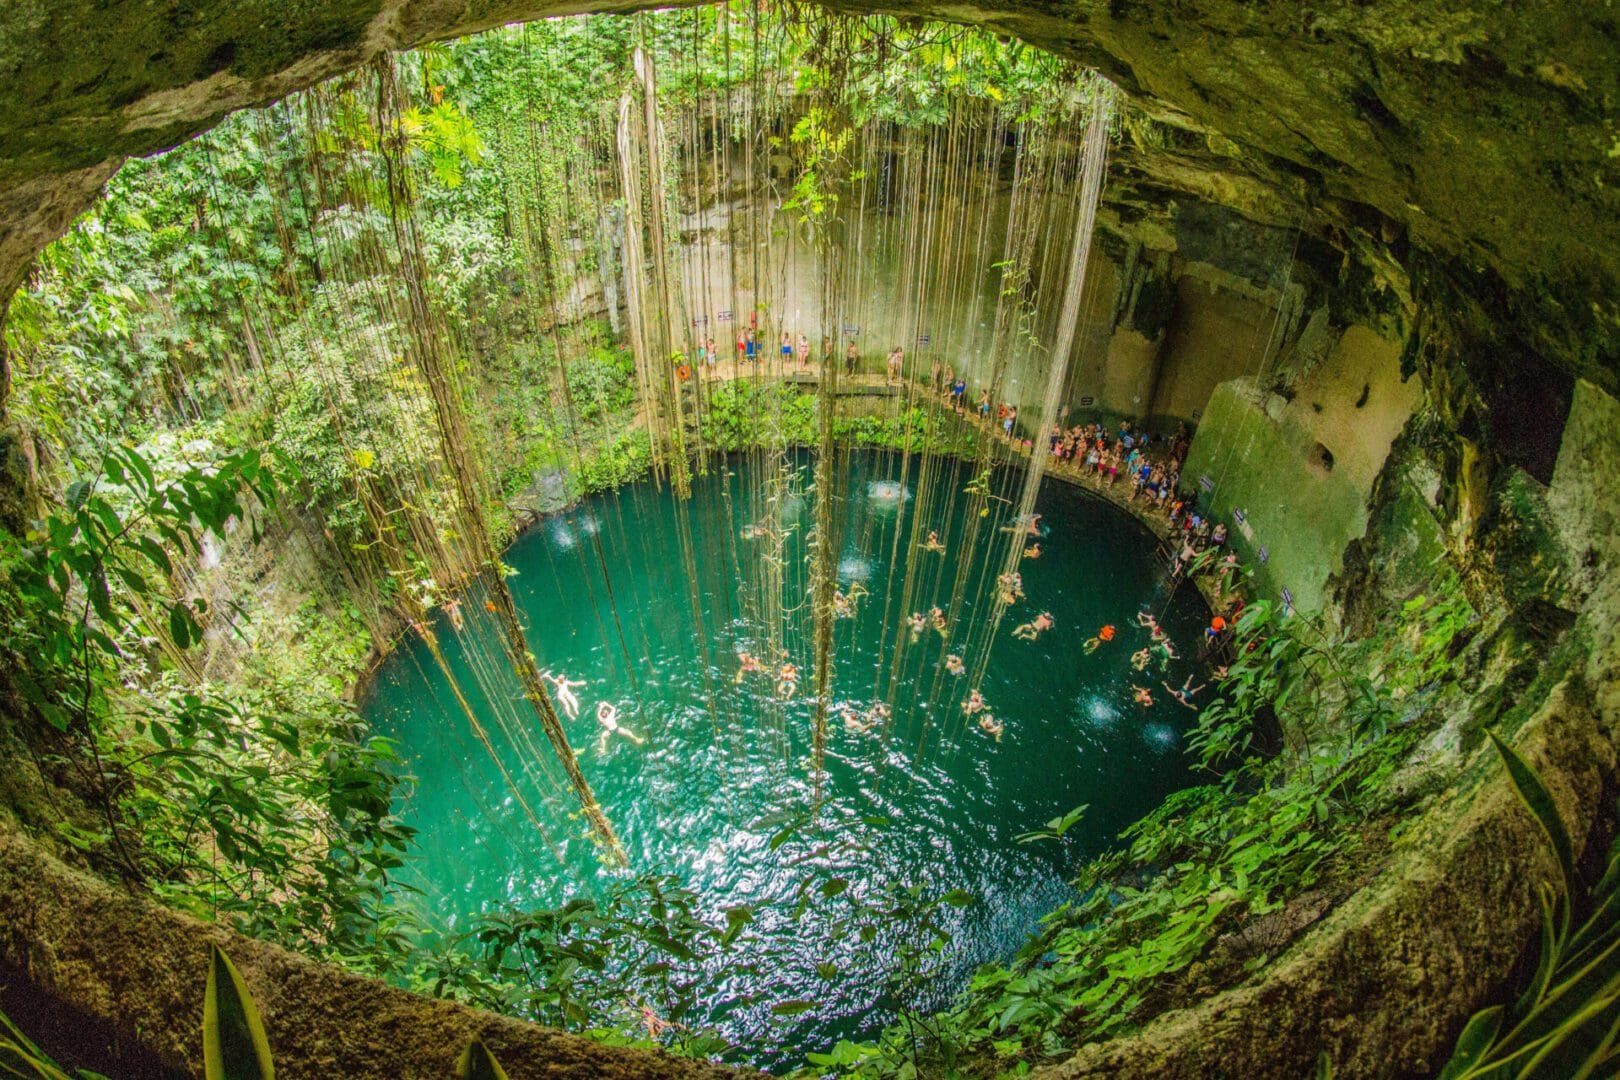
(853, 721)
(991, 726)
(608, 716)
(1140, 658)
(954, 665)
(564, 687)
(936, 619)
(933, 543)
(1033, 551)
(1142, 696)
(787, 682)
(1185, 695)
(918, 623)
(974, 704)
(1035, 628)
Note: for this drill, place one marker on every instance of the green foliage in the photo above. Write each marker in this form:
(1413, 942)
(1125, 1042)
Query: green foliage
(94, 572)
(22, 1058)
(1566, 1021)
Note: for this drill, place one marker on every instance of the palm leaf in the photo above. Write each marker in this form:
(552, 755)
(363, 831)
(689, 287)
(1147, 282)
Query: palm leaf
(1533, 793)
(477, 1063)
(234, 1043)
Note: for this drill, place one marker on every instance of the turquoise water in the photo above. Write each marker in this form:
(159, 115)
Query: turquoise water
(648, 602)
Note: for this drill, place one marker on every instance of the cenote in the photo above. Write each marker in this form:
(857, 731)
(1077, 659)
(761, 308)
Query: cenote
(720, 793)
(515, 542)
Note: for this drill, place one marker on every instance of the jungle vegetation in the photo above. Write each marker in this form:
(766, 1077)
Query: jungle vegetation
(211, 391)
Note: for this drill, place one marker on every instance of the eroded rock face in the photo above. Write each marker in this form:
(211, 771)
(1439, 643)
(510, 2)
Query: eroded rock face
(1474, 143)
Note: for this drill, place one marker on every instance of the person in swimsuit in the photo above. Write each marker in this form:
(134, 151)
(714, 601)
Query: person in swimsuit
(954, 665)
(934, 543)
(974, 704)
(991, 726)
(564, 687)
(1142, 696)
(1035, 628)
(608, 716)
(1185, 695)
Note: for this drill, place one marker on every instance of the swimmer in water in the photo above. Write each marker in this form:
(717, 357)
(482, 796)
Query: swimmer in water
(787, 682)
(877, 714)
(918, 623)
(756, 531)
(936, 619)
(1011, 587)
(1185, 695)
(1140, 658)
(1032, 527)
(1031, 630)
(1033, 551)
(954, 665)
(452, 608)
(991, 726)
(746, 664)
(565, 692)
(853, 723)
(608, 716)
(1103, 635)
(1142, 695)
(934, 543)
(974, 704)
(844, 603)
(1167, 652)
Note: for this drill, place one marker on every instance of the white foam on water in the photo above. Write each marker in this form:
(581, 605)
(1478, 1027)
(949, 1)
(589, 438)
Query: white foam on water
(1161, 737)
(887, 491)
(854, 568)
(1097, 712)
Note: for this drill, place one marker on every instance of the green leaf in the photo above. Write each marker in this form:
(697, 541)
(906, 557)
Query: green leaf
(958, 898)
(1533, 793)
(180, 625)
(234, 1043)
(477, 1063)
(1476, 1039)
(792, 1008)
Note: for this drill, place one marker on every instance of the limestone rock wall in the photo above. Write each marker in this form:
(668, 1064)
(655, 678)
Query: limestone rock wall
(1294, 474)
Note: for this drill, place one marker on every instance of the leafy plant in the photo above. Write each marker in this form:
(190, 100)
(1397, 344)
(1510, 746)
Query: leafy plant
(1566, 1021)
(234, 1044)
(21, 1057)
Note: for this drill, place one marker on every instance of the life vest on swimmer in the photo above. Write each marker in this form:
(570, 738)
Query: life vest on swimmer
(683, 372)
(1106, 633)
(1218, 624)
(1001, 412)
